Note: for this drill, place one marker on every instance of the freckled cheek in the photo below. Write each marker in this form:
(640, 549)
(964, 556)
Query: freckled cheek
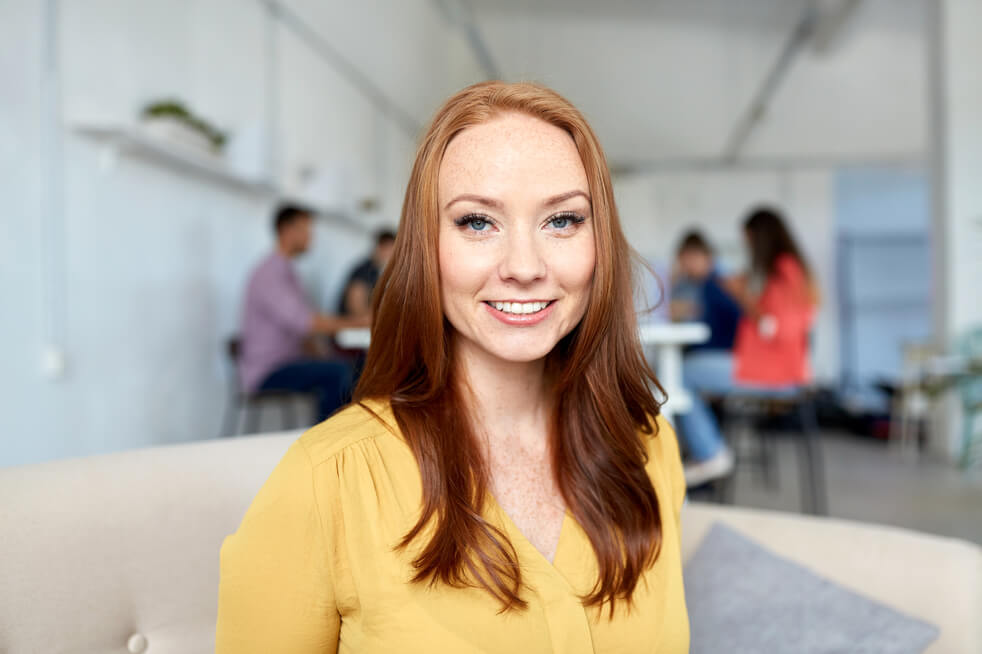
(574, 269)
(463, 272)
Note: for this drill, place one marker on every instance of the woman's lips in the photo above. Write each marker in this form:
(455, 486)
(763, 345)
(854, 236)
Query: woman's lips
(520, 319)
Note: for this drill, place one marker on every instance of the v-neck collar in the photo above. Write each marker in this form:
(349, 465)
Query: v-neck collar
(521, 541)
(566, 570)
(555, 582)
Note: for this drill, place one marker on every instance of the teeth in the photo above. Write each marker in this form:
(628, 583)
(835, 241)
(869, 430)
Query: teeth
(520, 308)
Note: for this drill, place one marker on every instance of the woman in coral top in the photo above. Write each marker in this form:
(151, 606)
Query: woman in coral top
(503, 482)
(778, 298)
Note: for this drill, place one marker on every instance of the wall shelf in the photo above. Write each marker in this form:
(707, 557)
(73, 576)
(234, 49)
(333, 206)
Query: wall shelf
(131, 140)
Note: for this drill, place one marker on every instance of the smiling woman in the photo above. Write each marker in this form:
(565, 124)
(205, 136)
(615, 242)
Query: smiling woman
(520, 250)
(503, 482)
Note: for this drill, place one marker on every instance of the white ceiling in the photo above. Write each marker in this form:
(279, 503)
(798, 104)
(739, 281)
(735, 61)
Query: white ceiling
(668, 80)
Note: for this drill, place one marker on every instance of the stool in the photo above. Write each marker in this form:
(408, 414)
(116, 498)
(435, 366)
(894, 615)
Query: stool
(242, 402)
(745, 409)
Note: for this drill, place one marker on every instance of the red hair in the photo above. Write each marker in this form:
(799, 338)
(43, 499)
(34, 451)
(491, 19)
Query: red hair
(604, 409)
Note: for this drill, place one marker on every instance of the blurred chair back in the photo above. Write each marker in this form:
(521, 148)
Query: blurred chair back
(243, 403)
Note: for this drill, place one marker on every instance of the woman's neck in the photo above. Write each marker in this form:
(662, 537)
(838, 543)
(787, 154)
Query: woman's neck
(507, 399)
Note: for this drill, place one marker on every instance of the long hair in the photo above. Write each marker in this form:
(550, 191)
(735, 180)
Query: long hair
(604, 409)
(769, 239)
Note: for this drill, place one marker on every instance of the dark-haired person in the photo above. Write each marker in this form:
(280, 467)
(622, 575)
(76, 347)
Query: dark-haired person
(778, 297)
(504, 482)
(356, 298)
(698, 293)
(278, 320)
(704, 298)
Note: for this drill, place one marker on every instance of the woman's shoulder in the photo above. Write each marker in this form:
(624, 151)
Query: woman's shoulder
(665, 463)
(787, 266)
(662, 442)
(368, 420)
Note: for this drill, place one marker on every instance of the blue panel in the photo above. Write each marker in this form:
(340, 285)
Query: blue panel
(884, 268)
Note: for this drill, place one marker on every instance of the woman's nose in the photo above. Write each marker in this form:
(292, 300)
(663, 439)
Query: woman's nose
(522, 261)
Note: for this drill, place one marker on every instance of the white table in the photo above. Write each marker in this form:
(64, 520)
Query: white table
(354, 339)
(662, 341)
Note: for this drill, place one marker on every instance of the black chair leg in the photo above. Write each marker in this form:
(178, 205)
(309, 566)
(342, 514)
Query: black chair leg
(229, 419)
(724, 489)
(288, 414)
(768, 456)
(240, 417)
(810, 461)
(252, 418)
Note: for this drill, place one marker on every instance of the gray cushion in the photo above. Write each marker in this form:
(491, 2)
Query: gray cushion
(743, 598)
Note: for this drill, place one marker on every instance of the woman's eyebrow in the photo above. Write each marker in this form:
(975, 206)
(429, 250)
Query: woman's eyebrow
(480, 199)
(562, 197)
(496, 204)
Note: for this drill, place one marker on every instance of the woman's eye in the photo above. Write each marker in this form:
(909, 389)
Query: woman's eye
(475, 223)
(565, 221)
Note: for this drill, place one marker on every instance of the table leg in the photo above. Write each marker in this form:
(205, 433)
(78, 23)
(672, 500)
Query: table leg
(668, 364)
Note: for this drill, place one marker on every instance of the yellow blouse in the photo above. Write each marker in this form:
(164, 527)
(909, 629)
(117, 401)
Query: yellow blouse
(312, 568)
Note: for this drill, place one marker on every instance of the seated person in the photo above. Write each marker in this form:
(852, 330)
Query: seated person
(279, 323)
(770, 356)
(698, 294)
(356, 299)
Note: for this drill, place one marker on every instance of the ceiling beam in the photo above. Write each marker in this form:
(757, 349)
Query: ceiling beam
(802, 31)
(831, 27)
(460, 14)
(341, 64)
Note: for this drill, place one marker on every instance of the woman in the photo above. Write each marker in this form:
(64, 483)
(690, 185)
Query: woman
(503, 482)
(770, 355)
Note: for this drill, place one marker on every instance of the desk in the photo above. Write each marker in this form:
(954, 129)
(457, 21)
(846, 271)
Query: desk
(662, 342)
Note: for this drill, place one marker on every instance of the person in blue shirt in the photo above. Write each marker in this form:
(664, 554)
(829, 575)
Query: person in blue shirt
(698, 293)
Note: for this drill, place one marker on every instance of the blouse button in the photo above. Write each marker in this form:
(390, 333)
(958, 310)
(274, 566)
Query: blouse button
(137, 644)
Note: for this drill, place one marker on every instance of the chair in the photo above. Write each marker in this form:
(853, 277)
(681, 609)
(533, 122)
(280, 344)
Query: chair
(911, 403)
(242, 402)
(747, 412)
(970, 390)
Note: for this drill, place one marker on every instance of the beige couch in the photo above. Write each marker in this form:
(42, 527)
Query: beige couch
(119, 553)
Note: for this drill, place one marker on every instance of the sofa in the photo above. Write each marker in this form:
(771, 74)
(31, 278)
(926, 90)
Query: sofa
(119, 553)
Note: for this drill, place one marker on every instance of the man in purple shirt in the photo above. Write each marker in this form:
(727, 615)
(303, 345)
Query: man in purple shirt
(278, 323)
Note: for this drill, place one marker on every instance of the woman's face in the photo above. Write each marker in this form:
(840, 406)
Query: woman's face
(516, 246)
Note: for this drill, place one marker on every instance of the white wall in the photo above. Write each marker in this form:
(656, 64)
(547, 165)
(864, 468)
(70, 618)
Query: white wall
(656, 209)
(20, 279)
(957, 111)
(135, 271)
(963, 163)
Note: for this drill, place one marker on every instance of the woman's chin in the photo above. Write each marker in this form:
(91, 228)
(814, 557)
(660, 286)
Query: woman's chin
(513, 353)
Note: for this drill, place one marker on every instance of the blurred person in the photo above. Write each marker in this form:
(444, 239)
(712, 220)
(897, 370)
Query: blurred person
(777, 297)
(698, 293)
(356, 298)
(279, 327)
(504, 482)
